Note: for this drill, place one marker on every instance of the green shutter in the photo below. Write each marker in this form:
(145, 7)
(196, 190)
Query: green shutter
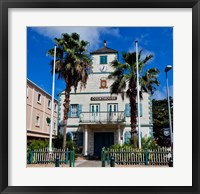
(127, 110)
(101, 59)
(140, 109)
(69, 113)
(127, 137)
(79, 109)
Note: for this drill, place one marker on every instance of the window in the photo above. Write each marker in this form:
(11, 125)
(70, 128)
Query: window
(54, 125)
(39, 98)
(74, 110)
(37, 121)
(49, 103)
(55, 107)
(103, 59)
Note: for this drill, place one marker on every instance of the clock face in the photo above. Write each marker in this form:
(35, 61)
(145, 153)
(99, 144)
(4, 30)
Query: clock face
(103, 68)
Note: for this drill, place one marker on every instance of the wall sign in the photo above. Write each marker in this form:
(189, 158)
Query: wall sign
(103, 83)
(103, 98)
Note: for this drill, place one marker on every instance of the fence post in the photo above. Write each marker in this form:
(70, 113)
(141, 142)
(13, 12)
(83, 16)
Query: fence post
(112, 161)
(170, 162)
(66, 156)
(102, 158)
(57, 163)
(146, 157)
(31, 157)
(73, 156)
(108, 156)
(70, 160)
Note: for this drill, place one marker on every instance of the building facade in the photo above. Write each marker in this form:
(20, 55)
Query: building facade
(38, 112)
(98, 119)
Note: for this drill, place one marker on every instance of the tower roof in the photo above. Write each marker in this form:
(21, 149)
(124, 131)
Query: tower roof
(104, 50)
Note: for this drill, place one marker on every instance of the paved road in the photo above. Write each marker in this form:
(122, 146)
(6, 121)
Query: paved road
(97, 163)
(87, 163)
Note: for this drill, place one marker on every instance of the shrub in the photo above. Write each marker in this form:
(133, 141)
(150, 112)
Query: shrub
(70, 145)
(58, 141)
(38, 144)
(148, 143)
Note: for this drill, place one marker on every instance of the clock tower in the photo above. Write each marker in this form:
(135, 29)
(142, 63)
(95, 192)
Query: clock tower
(102, 59)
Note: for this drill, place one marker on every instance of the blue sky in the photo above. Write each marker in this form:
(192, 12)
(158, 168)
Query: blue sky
(155, 40)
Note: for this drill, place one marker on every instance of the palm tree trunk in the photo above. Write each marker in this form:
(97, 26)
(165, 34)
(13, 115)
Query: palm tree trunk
(133, 118)
(66, 110)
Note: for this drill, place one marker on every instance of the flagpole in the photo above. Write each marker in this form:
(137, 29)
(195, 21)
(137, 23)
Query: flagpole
(138, 95)
(52, 101)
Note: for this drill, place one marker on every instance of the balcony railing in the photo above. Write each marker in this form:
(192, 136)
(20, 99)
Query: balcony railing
(102, 117)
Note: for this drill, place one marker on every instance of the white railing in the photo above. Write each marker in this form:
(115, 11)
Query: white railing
(102, 117)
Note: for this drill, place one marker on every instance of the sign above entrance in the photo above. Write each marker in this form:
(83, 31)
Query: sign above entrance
(103, 98)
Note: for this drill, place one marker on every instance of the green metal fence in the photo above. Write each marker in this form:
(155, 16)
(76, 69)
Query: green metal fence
(132, 156)
(43, 156)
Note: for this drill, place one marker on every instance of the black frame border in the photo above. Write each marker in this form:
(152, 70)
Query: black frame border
(4, 114)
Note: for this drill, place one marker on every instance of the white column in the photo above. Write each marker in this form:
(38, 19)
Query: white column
(119, 135)
(85, 141)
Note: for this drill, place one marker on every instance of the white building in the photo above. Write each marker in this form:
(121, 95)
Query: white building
(98, 119)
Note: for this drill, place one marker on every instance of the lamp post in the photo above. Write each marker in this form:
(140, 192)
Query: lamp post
(168, 68)
(138, 96)
(52, 101)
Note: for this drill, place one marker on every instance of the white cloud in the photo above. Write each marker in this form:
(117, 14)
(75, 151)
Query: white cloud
(162, 94)
(91, 34)
(143, 42)
(144, 53)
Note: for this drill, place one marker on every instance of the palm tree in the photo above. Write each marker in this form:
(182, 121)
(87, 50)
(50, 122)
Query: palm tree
(72, 65)
(125, 82)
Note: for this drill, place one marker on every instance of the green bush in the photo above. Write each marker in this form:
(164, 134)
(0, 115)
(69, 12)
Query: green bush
(38, 144)
(58, 142)
(148, 143)
(117, 146)
(70, 145)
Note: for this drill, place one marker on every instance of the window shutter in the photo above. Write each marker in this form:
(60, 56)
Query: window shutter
(79, 109)
(127, 110)
(101, 60)
(69, 113)
(140, 109)
(127, 137)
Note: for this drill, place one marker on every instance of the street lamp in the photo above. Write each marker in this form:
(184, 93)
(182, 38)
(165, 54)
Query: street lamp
(52, 101)
(138, 96)
(168, 68)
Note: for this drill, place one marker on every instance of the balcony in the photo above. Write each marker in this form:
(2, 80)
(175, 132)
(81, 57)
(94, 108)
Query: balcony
(102, 117)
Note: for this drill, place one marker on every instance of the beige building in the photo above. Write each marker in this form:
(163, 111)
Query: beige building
(38, 109)
(98, 119)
